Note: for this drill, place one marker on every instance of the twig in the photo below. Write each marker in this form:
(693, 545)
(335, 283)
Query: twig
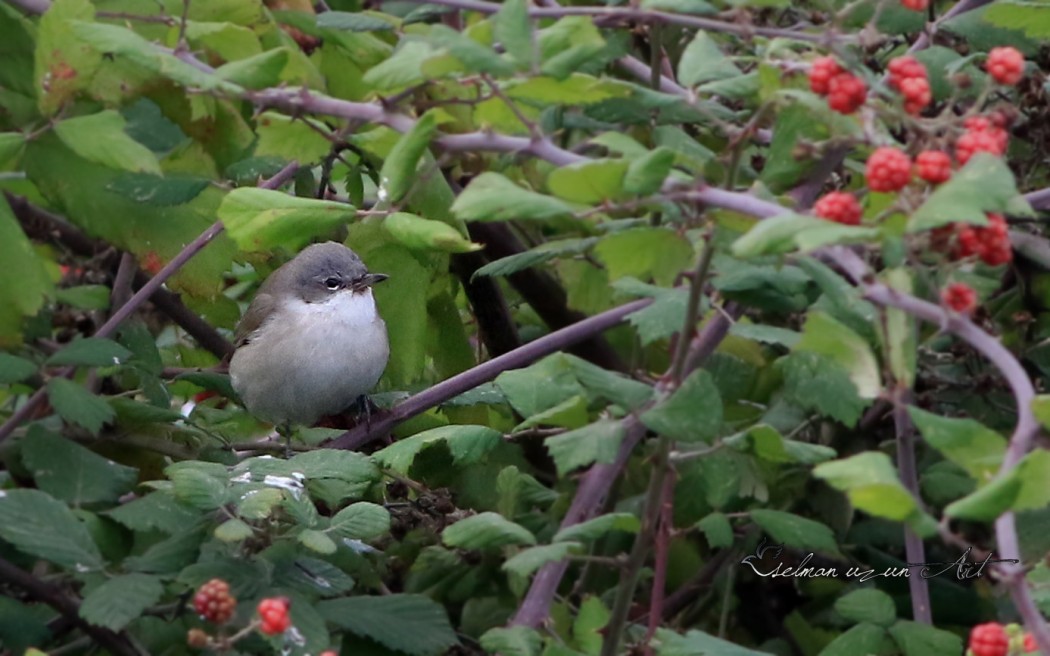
(914, 550)
(650, 16)
(663, 544)
(139, 298)
(121, 291)
(68, 606)
(556, 341)
(692, 309)
(597, 482)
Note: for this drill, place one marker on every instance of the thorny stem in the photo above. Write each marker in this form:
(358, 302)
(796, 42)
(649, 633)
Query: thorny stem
(639, 551)
(692, 310)
(663, 543)
(914, 550)
(140, 297)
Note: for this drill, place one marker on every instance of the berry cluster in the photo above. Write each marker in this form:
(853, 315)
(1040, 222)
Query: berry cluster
(984, 134)
(908, 76)
(994, 639)
(840, 207)
(933, 166)
(1005, 65)
(214, 602)
(888, 170)
(959, 297)
(990, 243)
(916, 5)
(845, 91)
(273, 612)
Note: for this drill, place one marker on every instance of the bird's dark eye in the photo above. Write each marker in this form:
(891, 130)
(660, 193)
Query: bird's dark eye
(333, 283)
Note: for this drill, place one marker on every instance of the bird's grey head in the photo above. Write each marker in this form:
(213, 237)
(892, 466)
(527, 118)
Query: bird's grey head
(322, 270)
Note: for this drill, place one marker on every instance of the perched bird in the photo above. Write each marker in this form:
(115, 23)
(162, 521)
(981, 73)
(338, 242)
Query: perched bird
(312, 341)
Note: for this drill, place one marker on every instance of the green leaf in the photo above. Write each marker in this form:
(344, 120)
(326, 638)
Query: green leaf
(198, 489)
(512, 27)
(541, 386)
(291, 139)
(14, 369)
(863, 638)
(11, 146)
(423, 234)
(157, 511)
(361, 521)
(984, 184)
(577, 89)
(492, 197)
(261, 219)
(38, 525)
(260, 504)
(693, 413)
(118, 601)
(512, 641)
(71, 472)
(588, 182)
(232, 531)
(157, 191)
(819, 383)
(568, 45)
(794, 124)
(717, 530)
(968, 443)
(402, 69)
(100, 138)
(867, 605)
(467, 444)
(642, 253)
(1032, 18)
(399, 168)
(350, 467)
(900, 332)
(915, 639)
(543, 253)
(703, 61)
(794, 531)
(787, 232)
(317, 541)
(486, 531)
(694, 643)
(91, 352)
(595, 443)
(408, 623)
(766, 334)
(611, 386)
(256, 72)
(474, 56)
(1023, 487)
(22, 295)
(825, 336)
(767, 443)
(591, 619)
(570, 413)
(593, 529)
(646, 174)
(870, 481)
(662, 318)
(527, 561)
(77, 405)
(354, 22)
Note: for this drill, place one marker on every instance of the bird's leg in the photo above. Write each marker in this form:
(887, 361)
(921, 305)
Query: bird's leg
(286, 431)
(364, 406)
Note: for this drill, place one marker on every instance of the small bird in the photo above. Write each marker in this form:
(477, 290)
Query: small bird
(312, 342)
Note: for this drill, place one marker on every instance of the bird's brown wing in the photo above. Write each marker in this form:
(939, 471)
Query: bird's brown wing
(258, 310)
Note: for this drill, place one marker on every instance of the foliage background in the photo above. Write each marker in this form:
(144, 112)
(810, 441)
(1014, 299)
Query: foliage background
(614, 374)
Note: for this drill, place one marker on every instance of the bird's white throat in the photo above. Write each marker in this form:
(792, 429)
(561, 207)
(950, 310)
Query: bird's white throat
(347, 308)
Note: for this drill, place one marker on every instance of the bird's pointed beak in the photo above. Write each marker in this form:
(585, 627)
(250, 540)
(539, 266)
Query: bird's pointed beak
(367, 280)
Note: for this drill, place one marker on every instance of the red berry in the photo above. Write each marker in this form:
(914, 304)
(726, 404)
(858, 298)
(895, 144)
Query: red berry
(933, 166)
(989, 640)
(1005, 65)
(838, 206)
(1029, 643)
(916, 5)
(888, 169)
(991, 243)
(329, 652)
(820, 74)
(977, 142)
(917, 94)
(959, 297)
(273, 612)
(846, 93)
(904, 68)
(214, 602)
